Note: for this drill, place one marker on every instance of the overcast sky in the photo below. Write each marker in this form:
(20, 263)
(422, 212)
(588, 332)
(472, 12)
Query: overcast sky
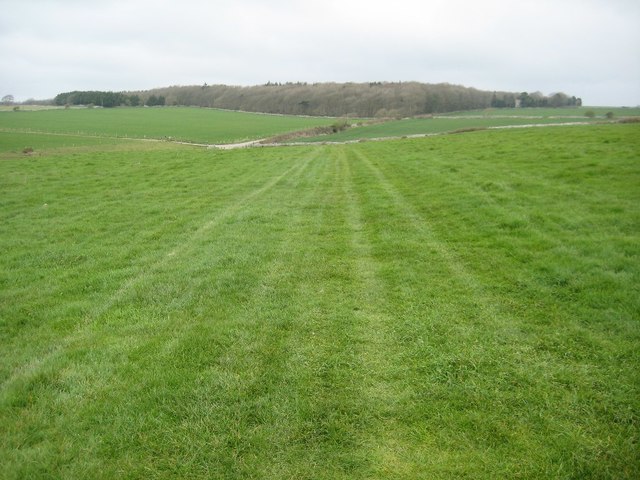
(587, 48)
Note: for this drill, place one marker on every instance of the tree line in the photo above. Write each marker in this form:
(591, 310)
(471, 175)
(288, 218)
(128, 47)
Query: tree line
(375, 99)
(107, 99)
(539, 100)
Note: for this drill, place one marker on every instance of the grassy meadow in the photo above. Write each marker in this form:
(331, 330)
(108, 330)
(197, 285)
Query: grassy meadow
(474, 119)
(15, 144)
(189, 124)
(562, 112)
(461, 306)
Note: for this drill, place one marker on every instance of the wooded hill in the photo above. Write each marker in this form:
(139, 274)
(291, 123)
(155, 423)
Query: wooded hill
(377, 99)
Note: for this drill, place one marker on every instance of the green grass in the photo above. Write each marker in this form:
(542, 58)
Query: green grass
(179, 123)
(451, 307)
(424, 126)
(14, 143)
(566, 112)
(476, 119)
(29, 108)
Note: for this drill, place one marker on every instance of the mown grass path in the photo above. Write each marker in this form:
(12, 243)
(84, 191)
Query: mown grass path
(436, 308)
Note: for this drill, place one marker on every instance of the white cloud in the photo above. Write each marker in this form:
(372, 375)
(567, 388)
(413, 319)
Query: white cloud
(590, 48)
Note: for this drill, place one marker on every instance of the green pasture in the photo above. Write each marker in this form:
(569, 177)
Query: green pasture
(461, 306)
(29, 108)
(200, 125)
(476, 119)
(563, 112)
(75, 127)
(427, 126)
(16, 143)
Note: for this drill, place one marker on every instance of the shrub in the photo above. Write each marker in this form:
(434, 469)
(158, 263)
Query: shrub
(467, 130)
(629, 120)
(339, 126)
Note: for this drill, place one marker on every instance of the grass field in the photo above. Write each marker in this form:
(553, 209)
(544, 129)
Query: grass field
(563, 112)
(30, 108)
(475, 119)
(16, 143)
(179, 123)
(77, 127)
(460, 306)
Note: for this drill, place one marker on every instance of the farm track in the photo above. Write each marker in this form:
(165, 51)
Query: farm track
(420, 224)
(388, 339)
(418, 135)
(376, 345)
(265, 142)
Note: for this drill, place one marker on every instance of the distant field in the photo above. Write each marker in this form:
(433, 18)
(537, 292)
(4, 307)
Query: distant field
(462, 306)
(489, 118)
(566, 112)
(11, 142)
(178, 123)
(10, 108)
(209, 126)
